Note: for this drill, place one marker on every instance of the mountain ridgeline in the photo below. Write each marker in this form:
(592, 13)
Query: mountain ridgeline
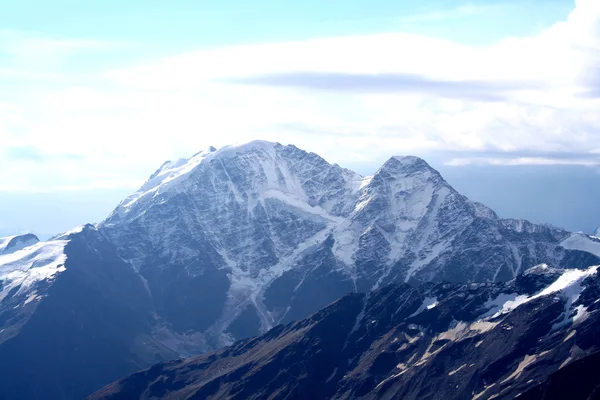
(436, 341)
(264, 234)
(233, 242)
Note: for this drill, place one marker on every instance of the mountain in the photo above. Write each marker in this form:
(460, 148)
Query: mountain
(230, 243)
(436, 341)
(73, 316)
(11, 244)
(597, 232)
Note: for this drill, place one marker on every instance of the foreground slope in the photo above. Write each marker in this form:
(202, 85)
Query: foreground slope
(441, 341)
(235, 241)
(73, 316)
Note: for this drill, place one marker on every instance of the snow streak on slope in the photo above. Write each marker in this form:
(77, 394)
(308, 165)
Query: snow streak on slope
(568, 285)
(247, 215)
(23, 269)
(168, 175)
(394, 202)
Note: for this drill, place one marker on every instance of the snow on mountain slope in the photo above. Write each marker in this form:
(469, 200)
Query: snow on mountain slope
(262, 233)
(73, 317)
(396, 211)
(581, 242)
(22, 270)
(35, 264)
(11, 244)
(568, 285)
(242, 214)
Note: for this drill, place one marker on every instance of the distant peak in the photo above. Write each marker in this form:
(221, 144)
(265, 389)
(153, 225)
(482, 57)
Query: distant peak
(409, 160)
(410, 168)
(14, 243)
(79, 229)
(205, 152)
(406, 165)
(232, 150)
(541, 269)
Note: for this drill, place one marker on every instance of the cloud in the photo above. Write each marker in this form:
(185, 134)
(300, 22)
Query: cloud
(390, 83)
(89, 186)
(557, 57)
(352, 99)
(528, 158)
(31, 153)
(521, 161)
(24, 153)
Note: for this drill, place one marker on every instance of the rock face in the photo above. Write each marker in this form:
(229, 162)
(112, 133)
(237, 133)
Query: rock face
(73, 316)
(232, 242)
(235, 241)
(577, 380)
(438, 341)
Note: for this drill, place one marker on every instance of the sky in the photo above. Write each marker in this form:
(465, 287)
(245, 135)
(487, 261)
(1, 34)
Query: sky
(502, 97)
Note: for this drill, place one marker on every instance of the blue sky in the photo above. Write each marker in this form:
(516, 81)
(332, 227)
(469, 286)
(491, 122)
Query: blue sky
(95, 95)
(179, 24)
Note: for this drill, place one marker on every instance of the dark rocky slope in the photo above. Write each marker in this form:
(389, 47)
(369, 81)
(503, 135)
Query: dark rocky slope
(89, 326)
(440, 341)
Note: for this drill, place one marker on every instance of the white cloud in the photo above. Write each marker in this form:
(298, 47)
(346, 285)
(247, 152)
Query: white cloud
(86, 186)
(125, 122)
(555, 57)
(521, 161)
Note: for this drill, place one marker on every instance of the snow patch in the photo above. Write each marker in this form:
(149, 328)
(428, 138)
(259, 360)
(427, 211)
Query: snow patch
(569, 284)
(23, 269)
(300, 204)
(79, 229)
(581, 242)
(428, 304)
(11, 244)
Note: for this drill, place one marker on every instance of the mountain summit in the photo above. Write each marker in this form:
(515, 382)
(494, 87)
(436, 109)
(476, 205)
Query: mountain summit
(11, 244)
(231, 242)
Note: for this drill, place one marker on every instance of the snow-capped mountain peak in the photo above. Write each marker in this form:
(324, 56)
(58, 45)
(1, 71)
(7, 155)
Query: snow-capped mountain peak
(23, 269)
(257, 167)
(11, 244)
(229, 243)
(264, 225)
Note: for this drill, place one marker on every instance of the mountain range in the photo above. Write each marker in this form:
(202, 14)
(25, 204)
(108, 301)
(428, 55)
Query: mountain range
(237, 242)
